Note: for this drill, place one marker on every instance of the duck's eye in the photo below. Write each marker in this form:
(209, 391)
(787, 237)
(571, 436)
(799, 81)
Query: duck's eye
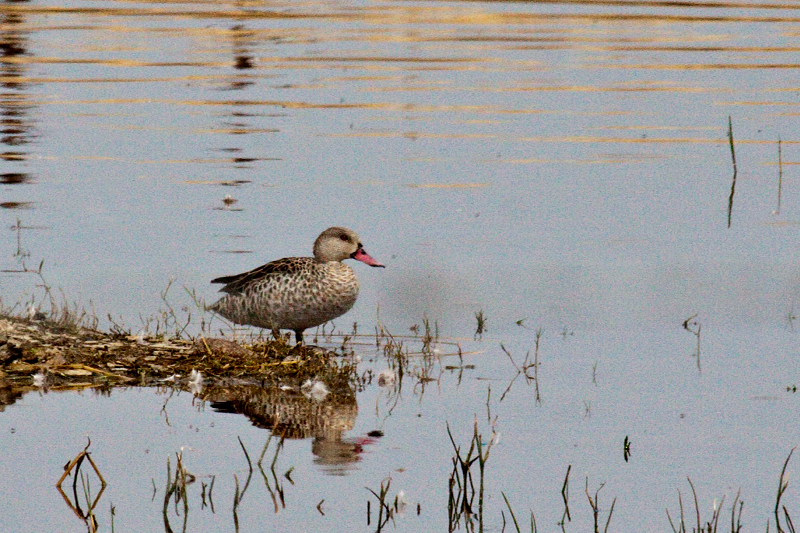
(344, 237)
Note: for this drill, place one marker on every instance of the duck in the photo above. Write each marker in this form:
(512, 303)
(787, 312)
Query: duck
(297, 293)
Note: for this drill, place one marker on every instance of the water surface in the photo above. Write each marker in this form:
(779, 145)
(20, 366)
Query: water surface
(562, 164)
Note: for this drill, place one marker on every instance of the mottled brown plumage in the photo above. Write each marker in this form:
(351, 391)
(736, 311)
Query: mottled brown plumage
(297, 293)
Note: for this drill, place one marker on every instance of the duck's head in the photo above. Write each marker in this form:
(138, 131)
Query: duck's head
(338, 244)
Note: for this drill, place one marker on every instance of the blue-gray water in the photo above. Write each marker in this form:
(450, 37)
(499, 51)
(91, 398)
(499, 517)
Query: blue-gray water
(564, 164)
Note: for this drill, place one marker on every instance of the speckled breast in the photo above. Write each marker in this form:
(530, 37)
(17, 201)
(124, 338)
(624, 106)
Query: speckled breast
(294, 300)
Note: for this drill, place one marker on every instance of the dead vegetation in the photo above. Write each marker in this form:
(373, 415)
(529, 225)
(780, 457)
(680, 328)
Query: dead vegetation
(54, 356)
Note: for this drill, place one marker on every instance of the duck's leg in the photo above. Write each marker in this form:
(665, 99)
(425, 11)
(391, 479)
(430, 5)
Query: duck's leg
(298, 336)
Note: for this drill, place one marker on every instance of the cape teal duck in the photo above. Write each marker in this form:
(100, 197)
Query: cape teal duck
(297, 293)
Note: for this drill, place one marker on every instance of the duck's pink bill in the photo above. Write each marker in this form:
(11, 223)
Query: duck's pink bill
(364, 257)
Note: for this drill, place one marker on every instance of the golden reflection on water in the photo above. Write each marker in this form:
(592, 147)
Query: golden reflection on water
(477, 27)
(392, 50)
(16, 126)
(466, 13)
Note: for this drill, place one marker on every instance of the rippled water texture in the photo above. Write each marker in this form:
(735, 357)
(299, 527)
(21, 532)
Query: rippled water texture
(554, 164)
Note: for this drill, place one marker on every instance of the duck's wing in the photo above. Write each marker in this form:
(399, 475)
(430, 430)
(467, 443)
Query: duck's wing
(237, 282)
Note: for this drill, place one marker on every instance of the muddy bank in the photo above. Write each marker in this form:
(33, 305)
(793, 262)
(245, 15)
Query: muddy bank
(34, 351)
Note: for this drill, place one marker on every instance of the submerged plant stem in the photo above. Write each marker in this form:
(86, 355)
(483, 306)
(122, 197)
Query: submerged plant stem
(733, 181)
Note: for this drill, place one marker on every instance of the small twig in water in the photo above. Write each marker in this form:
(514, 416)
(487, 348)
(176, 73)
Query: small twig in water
(711, 525)
(250, 466)
(565, 497)
(461, 483)
(514, 518)
(696, 507)
(780, 178)
(736, 521)
(539, 333)
(783, 484)
(733, 181)
(595, 505)
(382, 505)
(524, 368)
(693, 326)
(481, 327)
